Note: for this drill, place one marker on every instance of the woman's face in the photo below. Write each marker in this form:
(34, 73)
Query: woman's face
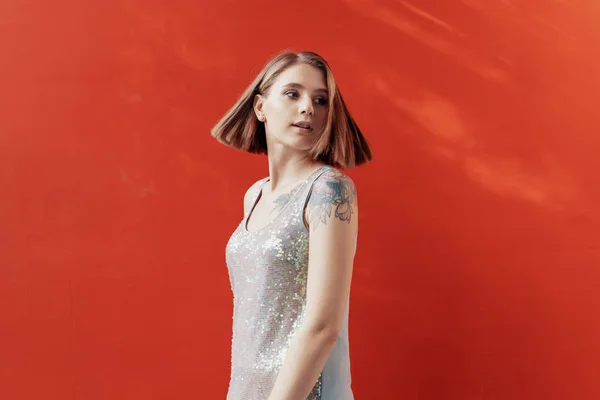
(296, 106)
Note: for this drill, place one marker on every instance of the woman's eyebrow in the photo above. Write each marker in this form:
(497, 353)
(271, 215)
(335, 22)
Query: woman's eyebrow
(299, 86)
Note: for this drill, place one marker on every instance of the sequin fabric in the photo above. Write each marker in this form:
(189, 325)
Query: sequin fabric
(268, 271)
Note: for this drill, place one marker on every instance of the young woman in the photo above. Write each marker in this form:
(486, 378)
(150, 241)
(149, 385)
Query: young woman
(290, 259)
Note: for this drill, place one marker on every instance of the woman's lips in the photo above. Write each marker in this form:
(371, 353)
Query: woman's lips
(302, 128)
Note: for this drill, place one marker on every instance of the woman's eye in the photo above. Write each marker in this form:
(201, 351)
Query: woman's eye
(293, 94)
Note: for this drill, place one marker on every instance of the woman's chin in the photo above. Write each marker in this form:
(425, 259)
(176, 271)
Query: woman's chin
(297, 141)
(301, 143)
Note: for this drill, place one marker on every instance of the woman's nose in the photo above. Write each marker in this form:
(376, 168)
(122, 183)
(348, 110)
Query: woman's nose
(306, 106)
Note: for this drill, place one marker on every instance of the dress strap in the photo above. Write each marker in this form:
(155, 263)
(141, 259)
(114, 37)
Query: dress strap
(310, 184)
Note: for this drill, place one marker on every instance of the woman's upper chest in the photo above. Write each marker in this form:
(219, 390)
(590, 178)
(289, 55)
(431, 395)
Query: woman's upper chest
(268, 207)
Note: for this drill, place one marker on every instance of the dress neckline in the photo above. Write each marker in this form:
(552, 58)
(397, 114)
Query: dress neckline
(259, 195)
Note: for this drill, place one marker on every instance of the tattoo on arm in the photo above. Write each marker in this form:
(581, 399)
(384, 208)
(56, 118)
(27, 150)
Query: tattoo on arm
(337, 194)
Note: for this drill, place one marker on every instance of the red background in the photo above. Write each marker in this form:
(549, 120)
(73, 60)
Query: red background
(477, 270)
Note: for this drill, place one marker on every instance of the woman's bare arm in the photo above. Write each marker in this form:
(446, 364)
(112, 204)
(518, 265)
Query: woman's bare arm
(332, 217)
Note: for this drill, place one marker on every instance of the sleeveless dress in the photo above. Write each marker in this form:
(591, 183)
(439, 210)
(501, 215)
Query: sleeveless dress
(268, 271)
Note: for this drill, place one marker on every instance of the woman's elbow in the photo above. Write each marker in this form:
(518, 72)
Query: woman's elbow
(328, 330)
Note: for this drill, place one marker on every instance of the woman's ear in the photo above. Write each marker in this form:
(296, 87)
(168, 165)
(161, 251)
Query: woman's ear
(258, 107)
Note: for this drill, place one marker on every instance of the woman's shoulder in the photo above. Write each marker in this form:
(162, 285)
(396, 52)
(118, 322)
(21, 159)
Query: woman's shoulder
(333, 196)
(333, 178)
(333, 188)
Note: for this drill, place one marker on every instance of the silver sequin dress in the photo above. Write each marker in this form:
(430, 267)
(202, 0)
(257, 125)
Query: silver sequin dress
(268, 271)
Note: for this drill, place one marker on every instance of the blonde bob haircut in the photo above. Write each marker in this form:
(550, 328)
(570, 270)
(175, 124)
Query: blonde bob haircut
(341, 144)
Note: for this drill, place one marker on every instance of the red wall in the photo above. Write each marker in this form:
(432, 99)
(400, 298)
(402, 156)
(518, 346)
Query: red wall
(477, 269)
